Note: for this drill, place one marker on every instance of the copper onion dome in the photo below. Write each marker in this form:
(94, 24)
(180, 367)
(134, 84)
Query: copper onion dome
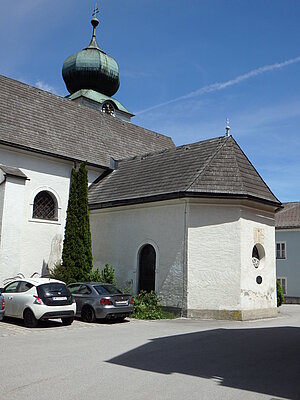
(91, 68)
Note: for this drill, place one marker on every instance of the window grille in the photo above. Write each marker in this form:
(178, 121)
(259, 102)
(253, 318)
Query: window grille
(44, 207)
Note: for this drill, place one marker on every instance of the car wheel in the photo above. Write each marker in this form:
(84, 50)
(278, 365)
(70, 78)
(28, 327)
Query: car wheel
(67, 321)
(29, 319)
(88, 314)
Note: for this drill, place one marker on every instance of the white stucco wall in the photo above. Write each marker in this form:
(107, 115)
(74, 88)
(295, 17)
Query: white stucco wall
(213, 257)
(40, 240)
(119, 233)
(220, 272)
(257, 228)
(11, 230)
(204, 254)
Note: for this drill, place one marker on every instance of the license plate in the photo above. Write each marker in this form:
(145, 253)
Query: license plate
(121, 303)
(59, 298)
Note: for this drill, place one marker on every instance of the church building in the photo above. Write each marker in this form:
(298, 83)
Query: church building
(195, 223)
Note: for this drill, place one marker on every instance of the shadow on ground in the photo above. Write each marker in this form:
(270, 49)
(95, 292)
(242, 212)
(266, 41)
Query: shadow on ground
(51, 323)
(258, 360)
(42, 324)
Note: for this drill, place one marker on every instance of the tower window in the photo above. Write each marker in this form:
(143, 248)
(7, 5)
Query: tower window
(45, 206)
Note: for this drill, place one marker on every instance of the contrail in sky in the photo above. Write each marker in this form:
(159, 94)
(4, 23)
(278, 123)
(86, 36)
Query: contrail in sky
(223, 85)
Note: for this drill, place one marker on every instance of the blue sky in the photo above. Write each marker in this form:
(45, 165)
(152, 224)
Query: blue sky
(184, 67)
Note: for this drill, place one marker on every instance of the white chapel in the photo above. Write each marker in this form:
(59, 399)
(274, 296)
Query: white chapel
(195, 223)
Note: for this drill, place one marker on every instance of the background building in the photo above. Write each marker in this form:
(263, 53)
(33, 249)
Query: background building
(287, 222)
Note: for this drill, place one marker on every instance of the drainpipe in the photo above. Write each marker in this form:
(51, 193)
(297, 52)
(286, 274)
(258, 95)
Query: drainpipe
(185, 273)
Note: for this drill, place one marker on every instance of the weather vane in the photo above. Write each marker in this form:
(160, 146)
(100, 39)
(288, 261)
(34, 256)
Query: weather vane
(227, 127)
(96, 10)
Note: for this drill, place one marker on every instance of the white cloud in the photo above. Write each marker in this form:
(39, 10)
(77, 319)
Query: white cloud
(44, 86)
(223, 85)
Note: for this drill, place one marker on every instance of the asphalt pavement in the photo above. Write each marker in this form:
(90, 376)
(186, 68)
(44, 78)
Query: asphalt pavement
(153, 360)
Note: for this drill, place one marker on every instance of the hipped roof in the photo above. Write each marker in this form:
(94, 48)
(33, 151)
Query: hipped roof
(210, 168)
(288, 216)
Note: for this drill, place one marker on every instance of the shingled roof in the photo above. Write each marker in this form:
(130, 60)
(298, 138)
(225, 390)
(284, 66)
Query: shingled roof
(39, 121)
(288, 216)
(13, 171)
(211, 168)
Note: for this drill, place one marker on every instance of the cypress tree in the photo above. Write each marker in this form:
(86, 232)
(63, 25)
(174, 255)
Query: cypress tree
(70, 245)
(84, 261)
(77, 260)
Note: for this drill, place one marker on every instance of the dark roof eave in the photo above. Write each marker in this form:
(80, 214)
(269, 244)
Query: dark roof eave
(287, 227)
(178, 195)
(25, 178)
(50, 154)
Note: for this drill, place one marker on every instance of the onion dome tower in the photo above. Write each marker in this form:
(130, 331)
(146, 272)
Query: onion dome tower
(92, 77)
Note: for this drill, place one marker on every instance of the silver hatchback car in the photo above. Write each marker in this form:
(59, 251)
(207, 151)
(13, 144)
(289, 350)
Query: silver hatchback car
(100, 300)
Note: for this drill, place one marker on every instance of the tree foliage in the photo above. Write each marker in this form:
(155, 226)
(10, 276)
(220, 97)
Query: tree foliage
(107, 275)
(84, 262)
(77, 261)
(280, 296)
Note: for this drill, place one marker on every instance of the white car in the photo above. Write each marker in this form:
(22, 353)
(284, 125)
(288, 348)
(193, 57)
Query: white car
(36, 299)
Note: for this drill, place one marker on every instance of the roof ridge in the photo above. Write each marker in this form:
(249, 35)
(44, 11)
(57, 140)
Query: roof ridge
(198, 173)
(144, 155)
(168, 149)
(238, 169)
(31, 86)
(259, 176)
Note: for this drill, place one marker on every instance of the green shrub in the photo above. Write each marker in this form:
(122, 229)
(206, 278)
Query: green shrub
(96, 276)
(280, 296)
(58, 272)
(107, 275)
(147, 306)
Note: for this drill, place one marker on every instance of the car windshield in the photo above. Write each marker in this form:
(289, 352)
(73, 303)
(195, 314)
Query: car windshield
(53, 289)
(107, 289)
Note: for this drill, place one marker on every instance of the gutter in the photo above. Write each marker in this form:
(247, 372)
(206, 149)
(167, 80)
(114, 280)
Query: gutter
(179, 195)
(51, 154)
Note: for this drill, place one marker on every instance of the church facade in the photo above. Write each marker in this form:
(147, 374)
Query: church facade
(195, 223)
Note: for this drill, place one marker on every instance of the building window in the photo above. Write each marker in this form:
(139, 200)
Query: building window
(45, 206)
(283, 283)
(281, 250)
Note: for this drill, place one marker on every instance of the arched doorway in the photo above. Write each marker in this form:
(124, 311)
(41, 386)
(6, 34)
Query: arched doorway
(147, 262)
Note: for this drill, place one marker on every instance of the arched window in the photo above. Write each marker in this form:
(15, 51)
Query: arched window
(45, 206)
(147, 264)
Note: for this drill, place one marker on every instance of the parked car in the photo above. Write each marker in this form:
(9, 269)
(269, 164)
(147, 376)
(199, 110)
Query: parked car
(100, 300)
(36, 299)
(2, 306)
